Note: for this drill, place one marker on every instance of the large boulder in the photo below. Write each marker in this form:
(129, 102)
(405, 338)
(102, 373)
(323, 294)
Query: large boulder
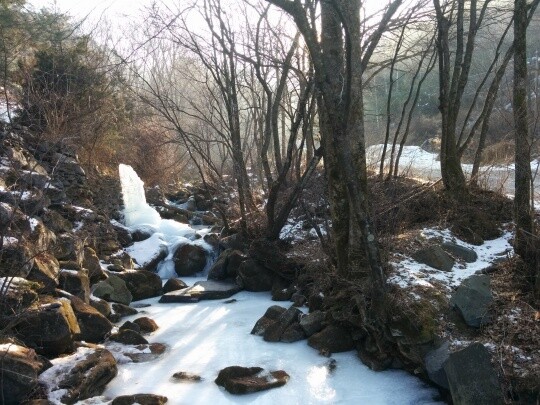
(142, 284)
(146, 325)
(473, 299)
(332, 339)
(244, 380)
(49, 330)
(94, 325)
(80, 376)
(189, 260)
(472, 378)
(254, 277)
(19, 367)
(113, 289)
(434, 256)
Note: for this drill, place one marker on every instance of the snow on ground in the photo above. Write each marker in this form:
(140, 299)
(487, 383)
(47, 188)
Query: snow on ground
(205, 337)
(410, 272)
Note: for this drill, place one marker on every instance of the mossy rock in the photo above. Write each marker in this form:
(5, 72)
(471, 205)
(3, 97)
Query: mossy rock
(415, 322)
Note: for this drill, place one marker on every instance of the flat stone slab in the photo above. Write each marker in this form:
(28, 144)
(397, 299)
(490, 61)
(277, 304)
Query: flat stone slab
(202, 290)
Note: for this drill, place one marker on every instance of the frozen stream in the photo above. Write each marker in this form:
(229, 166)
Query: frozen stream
(205, 337)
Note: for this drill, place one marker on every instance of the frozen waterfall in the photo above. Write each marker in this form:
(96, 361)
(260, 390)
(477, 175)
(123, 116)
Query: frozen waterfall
(137, 212)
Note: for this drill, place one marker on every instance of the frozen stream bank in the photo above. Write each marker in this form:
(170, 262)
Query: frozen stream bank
(205, 337)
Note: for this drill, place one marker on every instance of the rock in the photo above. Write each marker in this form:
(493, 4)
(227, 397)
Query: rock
(69, 247)
(316, 302)
(434, 256)
(269, 317)
(242, 380)
(141, 234)
(131, 326)
(434, 362)
(147, 352)
(218, 271)
(298, 299)
(293, 333)
(254, 277)
(146, 324)
(282, 290)
(87, 378)
(185, 376)
(142, 284)
(102, 306)
(113, 289)
(92, 264)
(16, 260)
(34, 203)
(332, 339)
(202, 290)
(274, 332)
(128, 337)
(189, 260)
(173, 284)
(56, 222)
(472, 378)
(461, 252)
(45, 270)
(140, 399)
(234, 242)
(312, 323)
(123, 310)
(94, 325)
(18, 295)
(472, 299)
(19, 367)
(76, 283)
(49, 330)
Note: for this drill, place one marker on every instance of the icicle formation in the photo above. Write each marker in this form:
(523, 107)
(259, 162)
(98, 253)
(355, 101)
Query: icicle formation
(136, 211)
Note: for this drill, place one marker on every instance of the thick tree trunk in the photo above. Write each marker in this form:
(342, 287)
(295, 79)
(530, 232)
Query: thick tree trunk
(523, 210)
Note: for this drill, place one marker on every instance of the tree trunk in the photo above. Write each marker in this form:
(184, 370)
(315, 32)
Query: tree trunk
(523, 211)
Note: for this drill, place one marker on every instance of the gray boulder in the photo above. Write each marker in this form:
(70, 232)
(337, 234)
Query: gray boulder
(434, 256)
(472, 299)
(472, 378)
(434, 362)
(113, 289)
(462, 252)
